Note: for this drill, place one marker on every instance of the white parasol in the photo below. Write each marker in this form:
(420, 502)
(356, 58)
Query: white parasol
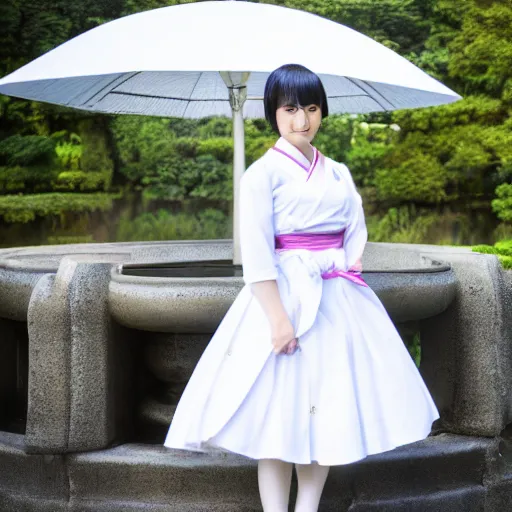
(213, 58)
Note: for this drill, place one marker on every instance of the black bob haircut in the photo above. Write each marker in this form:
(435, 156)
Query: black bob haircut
(296, 85)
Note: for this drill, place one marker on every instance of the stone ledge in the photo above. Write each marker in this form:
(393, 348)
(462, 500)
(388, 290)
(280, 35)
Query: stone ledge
(445, 473)
(443, 464)
(471, 499)
(30, 477)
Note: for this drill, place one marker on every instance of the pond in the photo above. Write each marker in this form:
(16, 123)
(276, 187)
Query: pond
(133, 219)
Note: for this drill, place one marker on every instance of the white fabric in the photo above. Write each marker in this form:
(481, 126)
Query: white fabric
(353, 389)
(165, 62)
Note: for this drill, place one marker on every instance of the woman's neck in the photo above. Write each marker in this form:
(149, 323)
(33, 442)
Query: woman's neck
(306, 149)
(308, 152)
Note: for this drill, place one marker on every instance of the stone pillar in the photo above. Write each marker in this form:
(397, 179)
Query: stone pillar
(73, 371)
(467, 349)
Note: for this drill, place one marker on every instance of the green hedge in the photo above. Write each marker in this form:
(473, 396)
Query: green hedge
(30, 179)
(25, 208)
(40, 179)
(84, 181)
(502, 249)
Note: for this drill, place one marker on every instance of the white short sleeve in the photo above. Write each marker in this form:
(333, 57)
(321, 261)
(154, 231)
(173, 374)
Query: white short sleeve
(257, 226)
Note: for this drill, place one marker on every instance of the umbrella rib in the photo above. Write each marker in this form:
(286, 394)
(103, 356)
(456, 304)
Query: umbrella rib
(192, 93)
(108, 85)
(195, 85)
(352, 96)
(165, 97)
(376, 92)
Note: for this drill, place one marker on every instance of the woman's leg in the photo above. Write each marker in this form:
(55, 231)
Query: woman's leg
(274, 480)
(311, 479)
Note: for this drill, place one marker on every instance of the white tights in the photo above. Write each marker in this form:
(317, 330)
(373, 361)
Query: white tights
(274, 480)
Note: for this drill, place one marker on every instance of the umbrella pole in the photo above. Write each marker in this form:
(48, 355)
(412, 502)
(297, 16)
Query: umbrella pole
(238, 170)
(236, 83)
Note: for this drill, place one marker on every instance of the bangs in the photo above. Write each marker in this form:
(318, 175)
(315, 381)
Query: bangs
(299, 91)
(294, 85)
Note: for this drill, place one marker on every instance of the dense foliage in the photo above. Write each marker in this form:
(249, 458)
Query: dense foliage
(24, 208)
(502, 249)
(416, 169)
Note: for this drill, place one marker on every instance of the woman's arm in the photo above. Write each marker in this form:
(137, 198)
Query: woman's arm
(283, 334)
(258, 253)
(356, 234)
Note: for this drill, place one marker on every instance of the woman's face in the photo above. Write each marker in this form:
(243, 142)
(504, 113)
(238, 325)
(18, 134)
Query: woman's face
(298, 124)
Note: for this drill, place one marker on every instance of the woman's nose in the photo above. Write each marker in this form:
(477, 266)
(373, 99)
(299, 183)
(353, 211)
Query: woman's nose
(301, 120)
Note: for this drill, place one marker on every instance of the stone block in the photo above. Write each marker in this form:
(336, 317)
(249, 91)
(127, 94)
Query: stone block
(499, 496)
(158, 476)
(49, 393)
(25, 477)
(470, 499)
(78, 365)
(92, 424)
(467, 349)
(444, 462)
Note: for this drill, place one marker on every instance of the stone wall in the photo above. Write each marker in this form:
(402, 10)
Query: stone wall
(93, 362)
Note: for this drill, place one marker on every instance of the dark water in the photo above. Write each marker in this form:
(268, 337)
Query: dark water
(133, 219)
(130, 219)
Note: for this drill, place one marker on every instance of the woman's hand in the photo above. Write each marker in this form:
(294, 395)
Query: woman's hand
(357, 266)
(283, 338)
(292, 347)
(283, 334)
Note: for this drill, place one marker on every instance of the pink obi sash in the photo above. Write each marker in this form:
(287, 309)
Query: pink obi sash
(318, 242)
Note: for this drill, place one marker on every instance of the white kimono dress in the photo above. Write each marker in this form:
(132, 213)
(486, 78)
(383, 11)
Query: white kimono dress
(352, 389)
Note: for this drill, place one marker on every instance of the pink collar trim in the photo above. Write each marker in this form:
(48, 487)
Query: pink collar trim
(299, 158)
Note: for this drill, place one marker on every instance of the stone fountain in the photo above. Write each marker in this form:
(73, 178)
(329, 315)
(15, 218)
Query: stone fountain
(98, 342)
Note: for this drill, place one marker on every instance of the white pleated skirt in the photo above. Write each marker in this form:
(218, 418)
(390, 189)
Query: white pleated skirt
(351, 391)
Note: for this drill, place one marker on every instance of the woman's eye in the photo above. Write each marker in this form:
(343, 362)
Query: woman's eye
(312, 109)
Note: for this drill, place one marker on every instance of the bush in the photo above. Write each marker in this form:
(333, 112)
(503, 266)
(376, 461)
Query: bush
(204, 177)
(419, 179)
(70, 239)
(27, 150)
(83, 181)
(69, 153)
(401, 225)
(215, 127)
(25, 208)
(220, 148)
(143, 145)
(186, 147)
(502, 249)
(29, 179)
(502, 205)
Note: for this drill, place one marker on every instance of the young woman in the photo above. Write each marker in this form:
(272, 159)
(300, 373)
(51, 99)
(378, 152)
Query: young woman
(306, 369)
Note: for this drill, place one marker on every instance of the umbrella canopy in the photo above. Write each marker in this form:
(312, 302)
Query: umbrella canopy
(165, 62)
(213, 58)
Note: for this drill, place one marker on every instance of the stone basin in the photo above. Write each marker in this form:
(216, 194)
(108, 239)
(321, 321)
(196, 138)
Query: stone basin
(193, 296)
